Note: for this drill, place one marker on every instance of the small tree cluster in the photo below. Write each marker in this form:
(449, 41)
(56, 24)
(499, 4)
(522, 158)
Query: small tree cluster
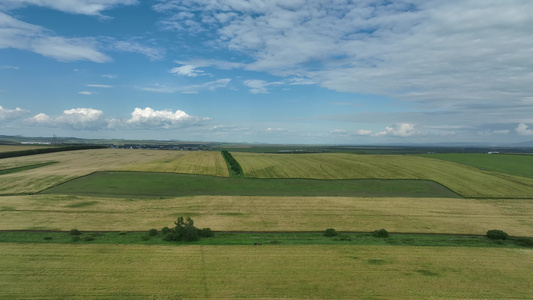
(185, 231)
(330, 232)
(496, 234)
(382, 233)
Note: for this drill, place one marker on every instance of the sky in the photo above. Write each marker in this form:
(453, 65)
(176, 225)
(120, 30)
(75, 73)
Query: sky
(268, 71)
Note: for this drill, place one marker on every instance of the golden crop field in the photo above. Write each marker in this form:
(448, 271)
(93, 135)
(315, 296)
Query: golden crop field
(72, 164)
(465, 180)
(197, 162)
(229, 213)
(47, 271)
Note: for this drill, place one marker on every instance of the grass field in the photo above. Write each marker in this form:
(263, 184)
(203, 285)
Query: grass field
(138, 184)
(464, 180)
(230, 213)
(72, 164)
(47, 271)
(518, 165)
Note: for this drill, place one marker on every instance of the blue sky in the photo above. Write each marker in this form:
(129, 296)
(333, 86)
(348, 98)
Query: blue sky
(270, 71)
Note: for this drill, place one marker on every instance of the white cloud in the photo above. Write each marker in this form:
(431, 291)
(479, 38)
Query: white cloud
(187, 70)
(211, 85)
(85, 93)
(523, 129)
(110, 76)
(441, 55)
(364, 132)
(83, 7)
(10, 114)
(9, 68)
(401, 129)
(76, 118)
(24, 36)
(153, 53)
(149, 118)
(104, 86)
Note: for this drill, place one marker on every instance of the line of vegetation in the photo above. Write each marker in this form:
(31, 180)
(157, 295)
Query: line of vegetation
(48, 150)
(25, 168)
(155, 237)
(234, 167)
(142, 184)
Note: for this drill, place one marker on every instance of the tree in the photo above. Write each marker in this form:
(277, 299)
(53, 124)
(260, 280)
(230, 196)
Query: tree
(330, 232)
(496, 234)
(185, 231)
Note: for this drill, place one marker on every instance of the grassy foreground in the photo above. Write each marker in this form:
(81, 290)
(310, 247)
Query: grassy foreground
(55, 271)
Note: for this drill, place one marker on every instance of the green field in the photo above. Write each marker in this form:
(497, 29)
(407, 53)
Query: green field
(465, 180)
(135, 184)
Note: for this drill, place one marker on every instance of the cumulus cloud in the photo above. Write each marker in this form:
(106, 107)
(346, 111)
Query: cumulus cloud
(10, 114)
(402, 130)
(76, 118)
(149, 118)
(523, 129)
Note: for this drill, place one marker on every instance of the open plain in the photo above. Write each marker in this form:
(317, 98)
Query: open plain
(61, 191)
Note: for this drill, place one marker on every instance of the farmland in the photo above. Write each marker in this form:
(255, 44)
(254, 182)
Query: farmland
(262, 213)
(325, 272)
(284, 201)
(465, 180)
(73, 164)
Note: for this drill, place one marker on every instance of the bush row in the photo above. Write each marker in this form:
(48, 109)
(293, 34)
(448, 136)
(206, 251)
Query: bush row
(48, 150)
(235, 167)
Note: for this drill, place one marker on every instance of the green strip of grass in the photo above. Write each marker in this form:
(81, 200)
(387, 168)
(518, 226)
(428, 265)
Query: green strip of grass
(262, 238)
(25, 168)
(139, 184)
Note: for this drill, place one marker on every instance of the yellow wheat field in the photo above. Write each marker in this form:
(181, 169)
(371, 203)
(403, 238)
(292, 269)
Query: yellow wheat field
(230, 213)
(199, 162)
(465, 180)
(72, 164)
(67, 271)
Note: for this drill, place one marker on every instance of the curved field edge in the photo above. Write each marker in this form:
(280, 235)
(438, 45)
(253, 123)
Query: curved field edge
(465, 180)
(274, 272)
(73, 164)
(128, 184)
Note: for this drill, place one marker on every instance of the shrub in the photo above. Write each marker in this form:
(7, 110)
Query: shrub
(496, 234)
(75, 238)
(345, 238)
(165, 230)
(152, 232)
(75, 232)
(382, 233)
(330, 232)
(47, 238)
(524, 241)
(206, 232)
